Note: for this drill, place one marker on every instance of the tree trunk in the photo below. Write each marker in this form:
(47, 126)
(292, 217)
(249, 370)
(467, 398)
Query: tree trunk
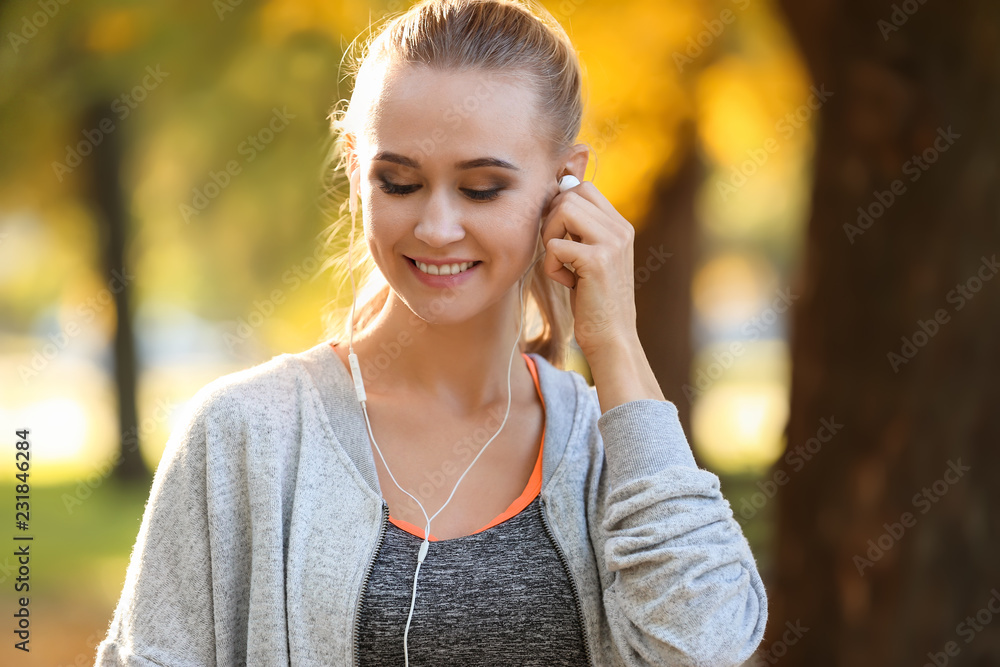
(111, 211)
(885, 545)
(664, 262)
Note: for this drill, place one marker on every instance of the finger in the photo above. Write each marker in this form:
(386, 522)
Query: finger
(588, 191)
(558, 253)
(574, 216)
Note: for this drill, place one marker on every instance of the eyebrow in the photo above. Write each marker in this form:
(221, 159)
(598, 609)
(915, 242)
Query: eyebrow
(388, 156)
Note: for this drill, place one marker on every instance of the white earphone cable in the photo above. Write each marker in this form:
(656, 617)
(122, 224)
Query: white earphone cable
(567, 182)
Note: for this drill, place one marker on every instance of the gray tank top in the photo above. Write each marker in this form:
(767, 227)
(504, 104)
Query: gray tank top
(498, 597)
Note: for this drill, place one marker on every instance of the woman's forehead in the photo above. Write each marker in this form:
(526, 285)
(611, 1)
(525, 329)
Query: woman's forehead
(420, 108)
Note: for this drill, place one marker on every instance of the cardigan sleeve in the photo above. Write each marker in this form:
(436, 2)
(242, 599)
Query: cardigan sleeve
(164, 615)
(681, 586)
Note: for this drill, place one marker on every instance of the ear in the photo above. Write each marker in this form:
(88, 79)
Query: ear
(574, 161)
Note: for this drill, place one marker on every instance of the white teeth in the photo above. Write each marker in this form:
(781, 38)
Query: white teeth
(444, 269)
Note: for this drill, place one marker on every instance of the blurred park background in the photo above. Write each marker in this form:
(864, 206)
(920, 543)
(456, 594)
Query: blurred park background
(814, 189)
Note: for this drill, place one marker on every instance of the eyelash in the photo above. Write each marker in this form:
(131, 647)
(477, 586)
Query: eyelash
(475, 195)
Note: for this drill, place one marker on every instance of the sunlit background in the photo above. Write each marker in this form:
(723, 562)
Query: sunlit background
(222, 286)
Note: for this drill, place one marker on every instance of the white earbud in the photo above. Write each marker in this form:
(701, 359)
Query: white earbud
(568, 181)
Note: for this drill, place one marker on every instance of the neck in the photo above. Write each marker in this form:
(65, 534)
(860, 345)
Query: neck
(462, 365)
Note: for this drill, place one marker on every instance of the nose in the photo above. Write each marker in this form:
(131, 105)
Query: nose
(440, 220)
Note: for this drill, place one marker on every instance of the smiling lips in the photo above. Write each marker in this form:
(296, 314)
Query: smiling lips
(448, 274)
(444, 269)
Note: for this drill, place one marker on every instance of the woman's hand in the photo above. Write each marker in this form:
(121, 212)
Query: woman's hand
(602, 292)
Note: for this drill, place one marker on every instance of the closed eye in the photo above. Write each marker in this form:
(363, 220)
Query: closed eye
(475, 195)
(482, 195)
(394, 189)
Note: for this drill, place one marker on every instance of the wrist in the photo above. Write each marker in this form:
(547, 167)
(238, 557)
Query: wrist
(622, 373)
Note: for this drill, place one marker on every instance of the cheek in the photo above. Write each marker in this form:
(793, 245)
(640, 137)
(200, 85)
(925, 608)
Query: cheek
(518, 219)
(382, 230)
(386, 212)
(379, 205)
(513, 220)
(525, 218)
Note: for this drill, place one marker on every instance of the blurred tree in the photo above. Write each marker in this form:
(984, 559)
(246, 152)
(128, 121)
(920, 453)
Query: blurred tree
(886, 550)
(664, 263)
(109, 201)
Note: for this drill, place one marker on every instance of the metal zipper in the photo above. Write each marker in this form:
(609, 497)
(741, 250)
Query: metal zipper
(572, 580)
(364, 584)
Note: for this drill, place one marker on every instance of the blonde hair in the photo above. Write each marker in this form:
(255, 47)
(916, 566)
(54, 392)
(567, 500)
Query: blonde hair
(503, 36)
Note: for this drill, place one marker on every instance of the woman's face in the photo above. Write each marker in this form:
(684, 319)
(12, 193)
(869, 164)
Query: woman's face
(453, 167)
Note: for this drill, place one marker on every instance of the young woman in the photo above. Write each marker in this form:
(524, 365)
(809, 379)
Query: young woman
(415, 492)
